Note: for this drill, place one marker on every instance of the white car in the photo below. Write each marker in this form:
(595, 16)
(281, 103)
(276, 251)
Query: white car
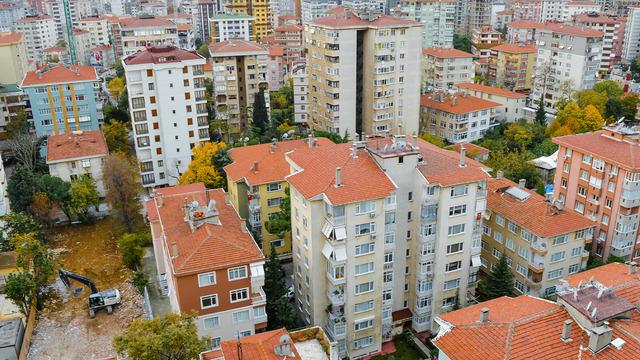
(290, 293)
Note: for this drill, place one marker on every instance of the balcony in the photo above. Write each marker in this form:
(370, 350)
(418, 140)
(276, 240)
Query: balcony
(336, 331)
(534, 282)
(336, 296)
(424, 292)
(259, 298)
(254, 204)
(335, 274)
(540, 247)
(422, 310)
(585, 254)
(536, 267)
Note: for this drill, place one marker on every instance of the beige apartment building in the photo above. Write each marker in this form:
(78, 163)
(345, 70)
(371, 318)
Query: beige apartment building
(364, 74)
(542, 241)
(483, 38)
(98, 28)
(512, 103)
(13, 57)
(598, 175)
(443, 69)
(512, 67)
(385, 233)
(239, 72)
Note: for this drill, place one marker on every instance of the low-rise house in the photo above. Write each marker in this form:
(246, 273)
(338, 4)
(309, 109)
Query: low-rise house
(546, 166)
(511, 102)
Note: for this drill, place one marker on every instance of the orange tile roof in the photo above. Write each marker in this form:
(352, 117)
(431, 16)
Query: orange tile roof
(69, 146)
(600, 18)
(161, 54)
(621, 153)
(209, 246)
(102, 47)
(183, 27)
(272, 165)
(515, 49)
(572, 30)
(522, 24)
(235, 46)
(339, 20)
(93, 18)
(501, 310)
(490, 90)
(472, 149)
(464, 105)
(446, 53)
(258, 347)
(400, 315)
(361, 177)
(60, 74)
(533, 213)
(10, 38)
(35, 18)
(55, 49)
(614, 275)
(131, 22)
(288, 28)
(276, 50)
(442, 166)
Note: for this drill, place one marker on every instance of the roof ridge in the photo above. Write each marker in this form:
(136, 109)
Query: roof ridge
(507, 344)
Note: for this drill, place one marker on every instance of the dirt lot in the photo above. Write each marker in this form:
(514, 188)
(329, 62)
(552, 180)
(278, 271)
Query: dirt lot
(64, 329)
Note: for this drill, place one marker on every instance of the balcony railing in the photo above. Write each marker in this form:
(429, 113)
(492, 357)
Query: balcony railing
(259, 298)
(336, 297)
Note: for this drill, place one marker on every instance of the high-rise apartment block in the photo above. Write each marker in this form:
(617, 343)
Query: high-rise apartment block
(168, 110)
(259, 9)
(300, 79)
(569, 9)
(444, 68)
(396, 222)
(9, 15)
(483, 38)
(231, 27)
(566, 54)
(313, 9)
(436, 16)
(527, 10)
(201, 13)
(598, 176)
(289, 36)
(478, 14)
(239, 73)
(39, 33)
(613, 30)
(98, 28)
(372, 60)
(13, 57)
(136, 33)
(631, 45)
(512, 67)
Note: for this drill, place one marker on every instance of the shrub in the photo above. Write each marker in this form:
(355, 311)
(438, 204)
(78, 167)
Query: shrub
(140, 281)
(132, 248)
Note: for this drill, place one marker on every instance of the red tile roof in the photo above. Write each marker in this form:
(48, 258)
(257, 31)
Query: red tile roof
(622, 153)
(580, 3)
(572, 30)
(342, 17)
(288, 28)
(505, 12)
(60, 74)
(463, 105)
(501, 310)
(271, 164)
(102, 47)
(128, 22)
(614, 275)
(442, 166)
(600, 18)
(399, 315)
(533, 213)
(361, 177)
(55, 49)
(74, 146)
(490, 90)
(183, 27)
(164, 54)
(515, 49)
(209, 246)
(258, 347)
(276, 50)
(522, 24)
(77, 31)
(446, 53)
(235, 46)
(10, 38)
(472, 149)
(93, 18)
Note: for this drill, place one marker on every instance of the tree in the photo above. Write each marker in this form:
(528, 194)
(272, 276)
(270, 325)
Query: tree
(591, 120)
(119, 68)
(591, 97)
(57, 191)
(515, 166)
(117, 136)
(462, 42)
(41, 207)
(83, 195)
(434, 139)
(541, 115)
(608, 87)
(22, 186)
(280, 223)
(336, 138)
(121, 180)
(19, 123)
(568, 119)
(113, 112)
(116, 87)
(25, 147)
(518, 136)
(260, 116)
(131, 247)
(203, 50)
(16, 223)
(174, 337)
(275, 288)
(201, 168)
(499, 282)
(21, 289)
(33, 257)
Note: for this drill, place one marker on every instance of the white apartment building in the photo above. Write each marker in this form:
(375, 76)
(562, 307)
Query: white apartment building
(313, 9)
(552, 10)
(9, 15)
(436, 16)
(631, 46)
(571, 8)
(300, 93)
(612, 41)
(4, 196)
(443, 69)
(98, 28)
(376, 6)
(136, 33)
(373, 60)
(168, 110)
(511, 102)
(232, 26)
(39, 34)
(399, 239)
(566, 54)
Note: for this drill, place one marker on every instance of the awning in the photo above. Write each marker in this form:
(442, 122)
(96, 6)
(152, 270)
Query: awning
(341, 233)
(475, 261)
(327, 228)
(327, 249)
(340, 253)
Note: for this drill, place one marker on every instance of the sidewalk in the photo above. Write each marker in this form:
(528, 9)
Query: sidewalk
(159, 303)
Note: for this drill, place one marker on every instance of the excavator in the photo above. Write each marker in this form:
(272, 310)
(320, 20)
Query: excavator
(98, 299)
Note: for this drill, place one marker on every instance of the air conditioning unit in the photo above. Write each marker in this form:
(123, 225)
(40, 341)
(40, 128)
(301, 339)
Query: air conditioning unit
(372, 215)
(374, 236)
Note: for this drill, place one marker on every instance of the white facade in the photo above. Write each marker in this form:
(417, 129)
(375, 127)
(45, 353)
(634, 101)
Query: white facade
(313, 9)
(512, 105)
(71, 169)
(552, 10)
(300, 94)
(9, 14)
(138, 33)
(631, 47)
(436, 18)
(98, 28)
(232, 26)
(571, 8)
(39, 33)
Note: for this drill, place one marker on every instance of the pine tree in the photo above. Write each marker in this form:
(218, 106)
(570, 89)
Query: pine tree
(540, 114)
(260, 116)
(499, 282)
(275, 288)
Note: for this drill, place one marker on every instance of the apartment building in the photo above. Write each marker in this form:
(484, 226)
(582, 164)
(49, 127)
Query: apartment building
(313, 9)
(457, 117)
(436, 16)
(367, 58)
(527, 10)
(13, 56)
(5, 206)
(232, 26)
(373, 215)
(102, 56)
(512, 103)
(613, 30)
(444, 68)
(207, 261)
(300, 79)
(598, 176)
(12, 100)
(257, 185)
(39, 33)
(501, 19)
(522, 32)
(290, 37)
(82, 46)
(562, 329)
(551, 10)
(63, 98)
(201, 13)
(136, 33)
(512, 67)
(9, 15)
(570, 9)
(168, 110)
(239, 73)
(631, 46)
(542, 241)
(478, 14)
(483, 38)
(81, 153)
(98, 28)
(566, 54)
(259, 9)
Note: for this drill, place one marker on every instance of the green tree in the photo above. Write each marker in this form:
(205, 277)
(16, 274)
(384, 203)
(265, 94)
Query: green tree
(57, 190)
(22, 186)
(515, 166)
(275, 288)
(121, 178)
(591, 97)
(462, 42)
(203, 50)
(174, 337)
(19, 123)
(113, 112)
(608, 87)
(336, 138)
(260, 116)
(16, 223)
(117, 136)
(33, 257)
(499, 282)
(119, 68)
(132, 246)
(280, 223)
(83, 195)
(518, 136)
(21, 289)
(434, 139)
(541, 115)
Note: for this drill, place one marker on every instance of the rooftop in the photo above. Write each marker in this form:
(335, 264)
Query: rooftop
(35, 18)
(471, 149)
(490, 90)
(599, 18)
(196, 241)
(446, 53)
(342, 17)
(10, 38)
(534, 213)
(455, 103)
(143, 22)
(160, 55)
(236, 46)
(522, 24)
(442, 166)
(80, 144)
(60, 74)
(572, 30)
(233, 16)
(515, 49)
(581, 3)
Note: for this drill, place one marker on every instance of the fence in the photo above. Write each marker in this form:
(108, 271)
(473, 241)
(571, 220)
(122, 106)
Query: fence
(28, 333)
(147, 304)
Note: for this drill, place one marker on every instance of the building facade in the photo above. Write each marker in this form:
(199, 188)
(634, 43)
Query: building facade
(313, 9)
(258, 9)
(14, 57)
(232, 26)
(512, 67)
(612, 41)
(98, 28)
(483, 38)
(300, 79)
(39, 33)
(631, 47)
(136, 33)
(443, 69)
(436, 16)
(512, 103)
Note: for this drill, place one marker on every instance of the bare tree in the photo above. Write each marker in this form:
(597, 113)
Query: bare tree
(25, 147)
(121, 178)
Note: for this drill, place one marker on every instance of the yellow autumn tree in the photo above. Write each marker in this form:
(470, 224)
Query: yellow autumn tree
(591, 119)
(116, 87)
(201, 168)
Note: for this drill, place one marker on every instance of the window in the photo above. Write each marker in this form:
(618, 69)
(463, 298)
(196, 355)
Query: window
(497, 236)
(510, 245)
(554, 274)
(364, 207)
(239, 295)
(579, 207)
(363, 325)
(424, 286)
(451, 284)
(450, 301)
(527, 235)
(363, 249)
(240, 316)
(365, 228)
(454, 248)
(598, 164)
(237, 273)
(387, 294)
(574, 268)
(274, 202)
(582, 191)
(364, 288)
(519, 286)
(522, 270)
(486, 230)
(584, 175)
(497, 253)
(428, 229)
(259, 312)
(549, 291)
(364, 306)
(457, 210)
(363, 342)
(206, 279)
(565, 167)
(523, 252)
(423, 302)
(276, 243)
(453, 266)
(560, 239)
(364, 268)
(388, 257)
(500, 220)
(209, 301)
(608, 203)
(586, 159)
(215, 343)
(513, 227)
(557, 256)
(456, 229)
(274, 187)
(459, 190)
(576, 251)
(211, 322)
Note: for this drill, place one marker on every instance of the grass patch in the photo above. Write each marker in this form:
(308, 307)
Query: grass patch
(405, 350)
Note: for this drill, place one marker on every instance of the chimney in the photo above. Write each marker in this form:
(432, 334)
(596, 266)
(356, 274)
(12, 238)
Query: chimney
(354, 151)
(633, 267)
(484, 315)
(159, 200)
(566, 330)
(600, 338)
(500, 174)
(522, 183)
(463, 156)
(255, 166)
(338, 177)
(310, 140)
